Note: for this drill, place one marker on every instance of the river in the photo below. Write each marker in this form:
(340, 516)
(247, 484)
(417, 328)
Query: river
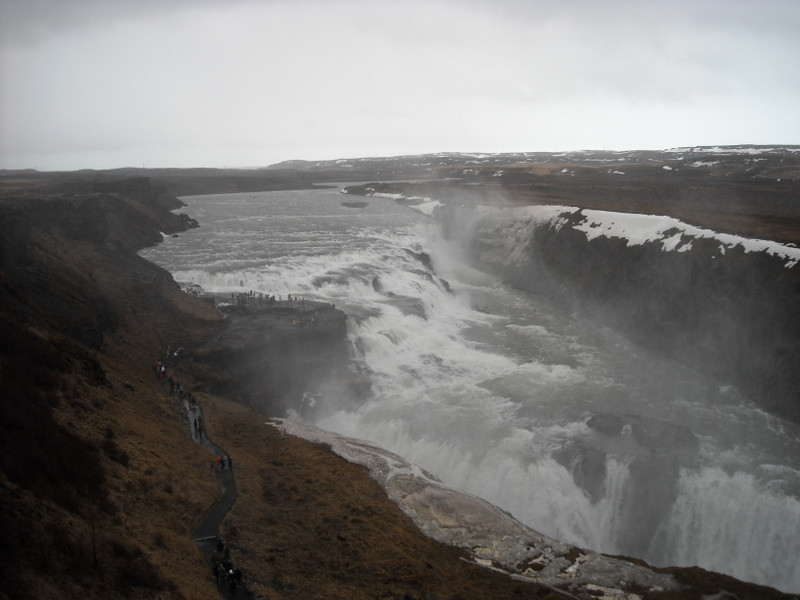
(576, 431)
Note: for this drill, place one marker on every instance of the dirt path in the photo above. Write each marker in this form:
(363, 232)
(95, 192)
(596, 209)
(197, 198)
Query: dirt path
(206, 534)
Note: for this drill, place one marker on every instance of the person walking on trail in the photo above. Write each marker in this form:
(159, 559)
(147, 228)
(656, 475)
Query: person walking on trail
(232, 581)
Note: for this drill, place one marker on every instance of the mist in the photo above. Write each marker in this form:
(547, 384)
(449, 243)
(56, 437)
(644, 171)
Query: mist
(511, 394)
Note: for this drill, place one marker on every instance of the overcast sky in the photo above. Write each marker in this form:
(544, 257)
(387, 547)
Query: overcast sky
(242, 83)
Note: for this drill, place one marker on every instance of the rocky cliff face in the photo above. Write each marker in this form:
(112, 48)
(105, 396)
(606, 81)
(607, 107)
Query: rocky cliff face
(281, 356)
(723, 304)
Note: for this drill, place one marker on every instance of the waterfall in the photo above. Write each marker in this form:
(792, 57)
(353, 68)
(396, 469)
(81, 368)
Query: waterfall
(732, 523)
(573, 429)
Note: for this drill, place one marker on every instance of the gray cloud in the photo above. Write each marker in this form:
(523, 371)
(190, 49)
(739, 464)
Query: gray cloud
(101, 84)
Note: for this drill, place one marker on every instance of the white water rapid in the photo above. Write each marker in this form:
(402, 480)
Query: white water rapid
(572, 429)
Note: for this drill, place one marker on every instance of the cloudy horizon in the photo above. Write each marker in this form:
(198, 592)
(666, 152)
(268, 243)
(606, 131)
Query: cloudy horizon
(247, 83)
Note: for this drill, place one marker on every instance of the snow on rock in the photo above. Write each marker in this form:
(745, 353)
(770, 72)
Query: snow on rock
(637, 229)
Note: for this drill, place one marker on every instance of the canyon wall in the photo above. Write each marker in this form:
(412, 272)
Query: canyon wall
(281, 356)
(722, 304)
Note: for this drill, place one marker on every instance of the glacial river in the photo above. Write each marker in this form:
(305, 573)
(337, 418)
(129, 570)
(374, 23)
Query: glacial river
(577, 432)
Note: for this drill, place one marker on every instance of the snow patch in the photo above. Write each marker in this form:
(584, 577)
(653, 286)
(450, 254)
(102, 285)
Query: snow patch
(733, 149)
(638, 229)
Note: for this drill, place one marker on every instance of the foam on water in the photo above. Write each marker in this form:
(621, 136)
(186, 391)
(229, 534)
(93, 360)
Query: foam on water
(718, 514)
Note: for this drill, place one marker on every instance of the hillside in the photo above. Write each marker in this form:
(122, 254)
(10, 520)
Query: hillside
(86, 435)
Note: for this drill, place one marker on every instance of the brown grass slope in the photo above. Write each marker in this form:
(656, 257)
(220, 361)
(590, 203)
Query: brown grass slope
(92, 451)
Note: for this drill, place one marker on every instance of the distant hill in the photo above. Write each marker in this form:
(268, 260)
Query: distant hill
(747, 190)
(776, 161)
(743, 189)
